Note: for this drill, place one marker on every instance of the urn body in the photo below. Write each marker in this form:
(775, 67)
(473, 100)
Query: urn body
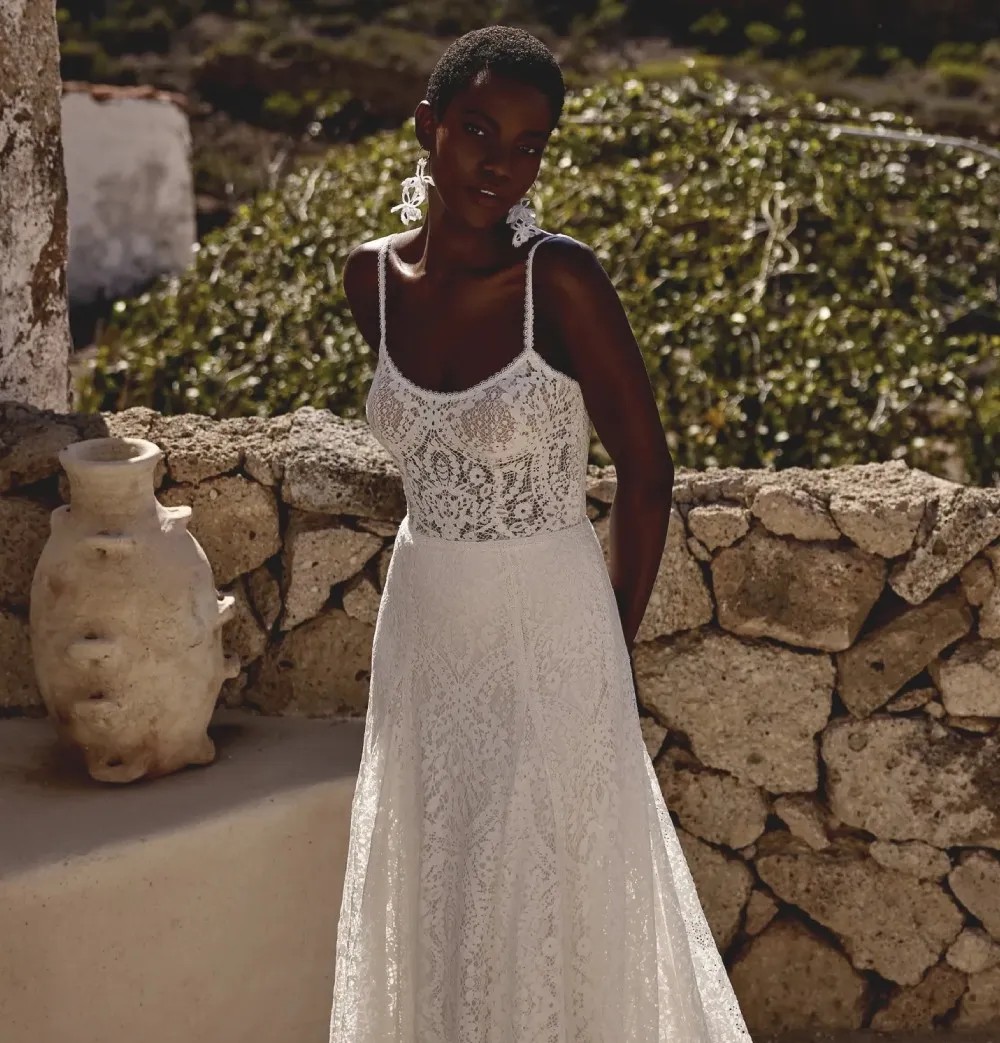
(125, 620)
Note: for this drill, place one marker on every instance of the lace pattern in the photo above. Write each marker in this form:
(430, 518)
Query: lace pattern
(505, 457)
(513, 874)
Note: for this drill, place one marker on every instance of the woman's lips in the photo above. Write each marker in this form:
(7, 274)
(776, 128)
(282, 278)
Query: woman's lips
(483, 199)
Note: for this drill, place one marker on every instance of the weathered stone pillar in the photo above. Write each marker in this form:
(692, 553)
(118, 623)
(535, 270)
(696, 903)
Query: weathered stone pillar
(34, 321)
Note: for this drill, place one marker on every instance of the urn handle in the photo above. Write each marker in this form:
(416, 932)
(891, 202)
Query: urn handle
(116, 543)
(92, 649)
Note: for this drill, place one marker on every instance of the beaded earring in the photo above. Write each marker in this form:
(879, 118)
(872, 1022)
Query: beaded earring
(521, 217)
(414, 193)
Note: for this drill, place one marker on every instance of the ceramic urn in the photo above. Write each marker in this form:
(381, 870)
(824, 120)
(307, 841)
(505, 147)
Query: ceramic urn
(125, 620)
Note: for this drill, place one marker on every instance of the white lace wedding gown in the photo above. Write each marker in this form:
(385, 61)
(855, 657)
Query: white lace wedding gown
(513, 874)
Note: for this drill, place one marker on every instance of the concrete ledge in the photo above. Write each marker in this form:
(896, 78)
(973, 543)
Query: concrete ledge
(201, 907)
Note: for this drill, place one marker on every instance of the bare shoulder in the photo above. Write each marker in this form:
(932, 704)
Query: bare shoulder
(569, 268)
(360, 273)
(360, 281)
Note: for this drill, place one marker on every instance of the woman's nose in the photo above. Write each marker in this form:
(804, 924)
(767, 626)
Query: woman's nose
(497, 163)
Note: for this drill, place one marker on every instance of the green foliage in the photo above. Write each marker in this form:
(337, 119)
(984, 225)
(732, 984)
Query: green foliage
(760, 34)
(799, 298)
(961, 79)
(953, 52)
(85, 60)
(715, 23)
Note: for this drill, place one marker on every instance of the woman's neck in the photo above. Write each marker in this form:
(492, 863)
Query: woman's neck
(448, 251)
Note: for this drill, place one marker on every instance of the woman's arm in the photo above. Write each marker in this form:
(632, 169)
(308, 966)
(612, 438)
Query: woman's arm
(580, 301)
(359, 277)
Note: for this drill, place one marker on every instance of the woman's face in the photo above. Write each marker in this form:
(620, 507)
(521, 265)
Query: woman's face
(487, 147)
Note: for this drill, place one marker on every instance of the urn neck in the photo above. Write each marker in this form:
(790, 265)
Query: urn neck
(112, 478)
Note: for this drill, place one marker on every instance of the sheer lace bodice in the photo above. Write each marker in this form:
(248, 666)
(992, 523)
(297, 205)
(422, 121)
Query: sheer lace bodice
(506, 457)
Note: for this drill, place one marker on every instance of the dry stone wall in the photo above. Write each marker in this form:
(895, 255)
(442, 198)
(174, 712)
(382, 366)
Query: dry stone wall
(819, 669)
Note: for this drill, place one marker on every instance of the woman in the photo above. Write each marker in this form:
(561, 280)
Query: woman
(513, 875)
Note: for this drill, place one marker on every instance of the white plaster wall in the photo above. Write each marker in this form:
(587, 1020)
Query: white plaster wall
(131, 195)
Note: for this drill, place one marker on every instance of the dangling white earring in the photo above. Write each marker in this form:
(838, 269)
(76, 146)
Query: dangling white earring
(414, 193)
(521, 217)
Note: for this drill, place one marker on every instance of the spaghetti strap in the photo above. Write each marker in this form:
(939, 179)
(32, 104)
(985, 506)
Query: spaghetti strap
(529, 304)
(382, 250)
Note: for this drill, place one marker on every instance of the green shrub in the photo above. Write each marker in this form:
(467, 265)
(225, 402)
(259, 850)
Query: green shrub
(990, 54)
(798, 298)
(953, 52)
(85, 60)
(832, 61)
(715, 23)
(961, 79)
(760, 34)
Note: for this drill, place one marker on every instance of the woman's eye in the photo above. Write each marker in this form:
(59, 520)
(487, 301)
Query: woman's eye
(475, 130)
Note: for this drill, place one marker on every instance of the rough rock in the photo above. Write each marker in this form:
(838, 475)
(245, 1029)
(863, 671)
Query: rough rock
(602, 483)
(788, 511)
(812, 595)
(878, 506)
(335, 466)
(264, 592)
(24, 529)
(761, 909)
(977, 580)
(786, 970)
(361, 600)
(713, 806)
(320, 669)
(196, 447)
(889, 922)
(317, 556)
(882, 510)
(382, 566)
(653, 735)
(973, 951)
(722, 693)
(975, 882)
(680, 599)
(243, 634)
(969, 678)
(265, 444)
(134, 422)
(805, 819)
(961, 521)
(234, 519)
(973, 725)
(913, 857)
(881, 662)
(723, 885)
(980, 1004)
(18, 686)
(942, 791)
(916, 1007)
(718, 524)
(385, 529)
(911, 699)
(698, 549)
(30, 441)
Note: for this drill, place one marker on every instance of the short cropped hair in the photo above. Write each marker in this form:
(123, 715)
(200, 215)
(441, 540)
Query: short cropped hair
(502, 49)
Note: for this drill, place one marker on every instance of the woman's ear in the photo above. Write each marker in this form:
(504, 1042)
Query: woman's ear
(426, 125)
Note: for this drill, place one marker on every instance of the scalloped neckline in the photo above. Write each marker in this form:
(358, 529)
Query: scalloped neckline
(458, 392)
